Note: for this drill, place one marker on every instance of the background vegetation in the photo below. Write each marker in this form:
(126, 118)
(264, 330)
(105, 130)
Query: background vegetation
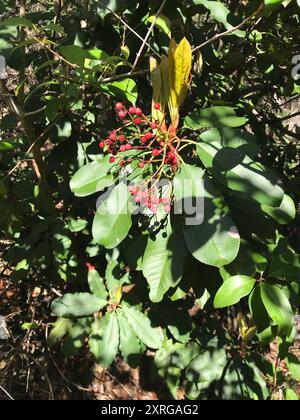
(224, 327)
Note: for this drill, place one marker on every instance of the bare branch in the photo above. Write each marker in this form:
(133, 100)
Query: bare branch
(229, 31)
(148, 35)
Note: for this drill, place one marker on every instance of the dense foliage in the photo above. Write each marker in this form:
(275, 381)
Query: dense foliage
(149, 173)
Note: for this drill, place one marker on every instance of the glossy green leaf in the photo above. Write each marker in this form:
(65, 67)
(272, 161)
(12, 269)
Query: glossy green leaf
(221, 14)
(215, 117)
(278, 307)
(293, 364)
(92, 178)
(163, 23)
(113, 221)
(210, 234)
(233, 290)
(163, 262)
(151, 337)
(77, 304)
(283, 214)
(240, 173)
(258, 311)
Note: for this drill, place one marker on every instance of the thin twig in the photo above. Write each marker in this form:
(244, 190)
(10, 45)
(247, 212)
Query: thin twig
(123, 76)
(229, 31)
(148, 35)
(6, 393)
(129, 27)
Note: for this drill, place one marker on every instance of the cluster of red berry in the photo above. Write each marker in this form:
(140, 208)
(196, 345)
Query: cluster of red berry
(146, 139)
(150, 146)
(149, 198)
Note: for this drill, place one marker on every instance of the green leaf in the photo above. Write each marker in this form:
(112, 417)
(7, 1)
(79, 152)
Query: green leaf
(74, 54)
(129, 343)
(207, 367)
(278, 307)
(240, 173)
(214, 240)
(258, 310)
(140, 323)
(293, 364)
(290, 395)
(17, 21)
(221, 14)
(92, 178)
(177, 321)
(233, 290)
(217, 116)
(113, 218)
(232, 137)
(59, 330)
(163, 262)
(6, 145)
(104, 339)
(284, 214)
(163, 23)
(77, 225)
(126, 88)
(96, 284)
(77, 304)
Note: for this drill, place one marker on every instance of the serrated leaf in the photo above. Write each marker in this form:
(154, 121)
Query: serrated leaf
(113, 221)
(129, 343)
(59, 330)
(77, 304)
(104, 339)
(96, 284)
(233, 290)
(141, 325)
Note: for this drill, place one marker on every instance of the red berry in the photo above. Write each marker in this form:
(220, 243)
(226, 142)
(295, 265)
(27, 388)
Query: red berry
(153, 125)
(161, 143)
(157, 106)
(132, 189)
(90, 267)
(143, 139)
(138, 121)
(122, 115)
(113, 136)
(102, 144)
(122, 162)
(122, 148)
(155, 152)
(128, 147)
(132, 110)
(119, 106)
(121, 138)
(171, 155)
(164, 200)
(139, 111)
(167, 208)
(149, 136)
(112, 159)
(142, 165)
